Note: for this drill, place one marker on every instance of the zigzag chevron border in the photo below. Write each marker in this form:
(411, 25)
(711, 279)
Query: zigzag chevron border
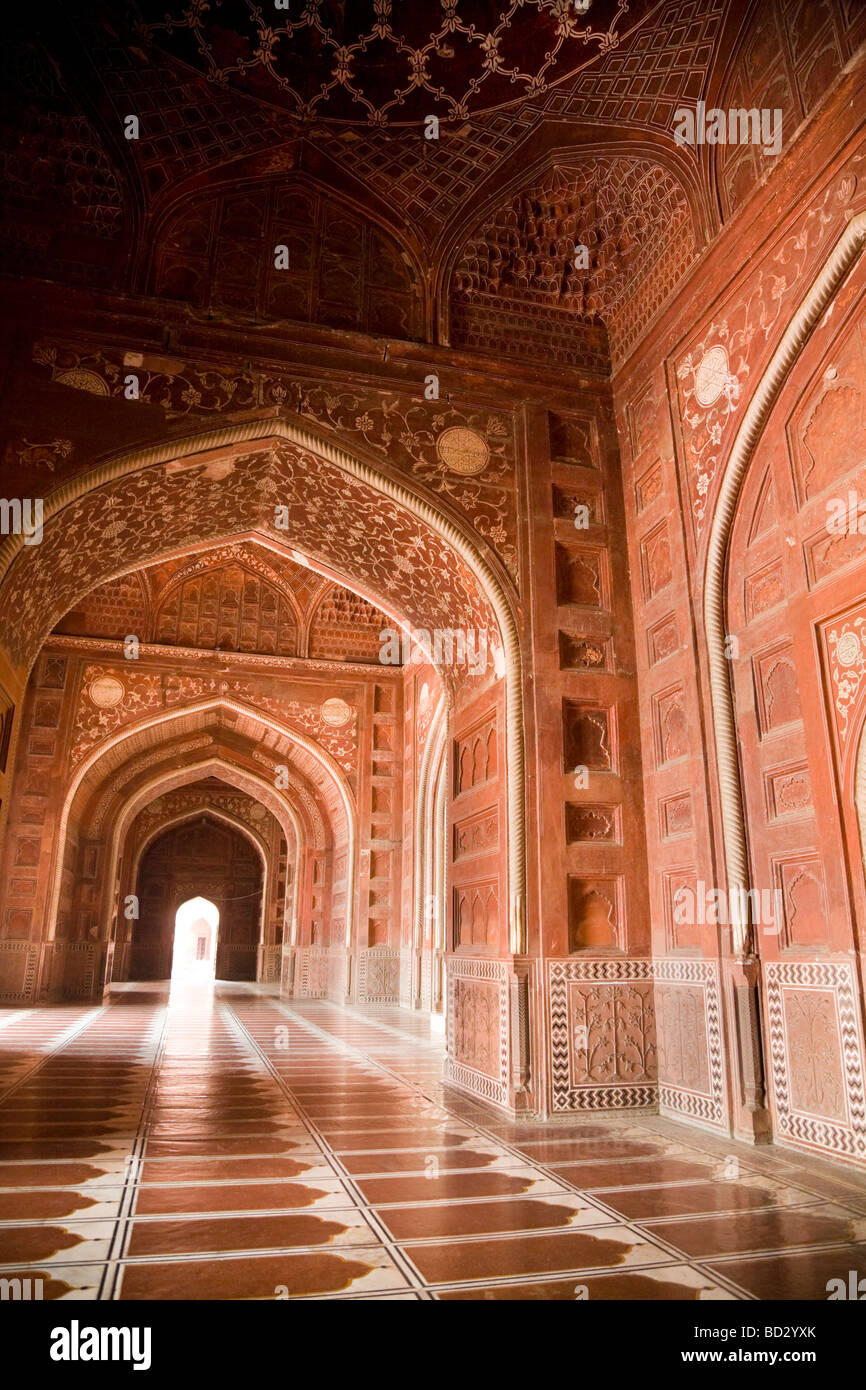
(706, 1107)
(618, 1095)
(818, 1131)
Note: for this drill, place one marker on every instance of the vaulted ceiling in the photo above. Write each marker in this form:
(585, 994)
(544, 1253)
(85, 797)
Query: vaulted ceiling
(307, 126)
(239, 597)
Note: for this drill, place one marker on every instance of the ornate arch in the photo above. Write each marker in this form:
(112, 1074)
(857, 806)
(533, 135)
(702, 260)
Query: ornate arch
(244, 779)
(233, 823)
(214, 446)
(215, 813)
(804, 321)
(300, 205)
(166, 717)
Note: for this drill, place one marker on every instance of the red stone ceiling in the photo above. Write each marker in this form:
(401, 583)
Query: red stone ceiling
(240, 597)
(232, 97)
(387, 62)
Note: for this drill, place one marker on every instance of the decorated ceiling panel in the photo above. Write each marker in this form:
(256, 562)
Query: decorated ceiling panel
(230, 610)
(260, 127)
(282, 251)
(340, 523)
(62, 199)
(388, 63)
(602, 241)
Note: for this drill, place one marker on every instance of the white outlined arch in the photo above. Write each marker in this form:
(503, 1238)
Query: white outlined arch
(212, 444)
(233, 823)
(805, 319)
(242, 778)
(213, 704)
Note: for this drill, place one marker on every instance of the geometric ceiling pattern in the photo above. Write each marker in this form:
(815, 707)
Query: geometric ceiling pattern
(389, 62)
(319, 110)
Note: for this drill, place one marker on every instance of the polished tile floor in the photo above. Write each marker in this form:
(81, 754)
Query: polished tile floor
(225, 1145)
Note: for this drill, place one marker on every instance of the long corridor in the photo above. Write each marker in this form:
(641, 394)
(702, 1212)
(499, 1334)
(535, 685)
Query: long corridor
(224, 1145)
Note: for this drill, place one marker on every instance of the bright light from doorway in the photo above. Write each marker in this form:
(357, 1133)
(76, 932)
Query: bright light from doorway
(195, 936)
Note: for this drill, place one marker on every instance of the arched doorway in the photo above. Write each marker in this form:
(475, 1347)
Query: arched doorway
(443, 582)
(206, 862)
(196, 924)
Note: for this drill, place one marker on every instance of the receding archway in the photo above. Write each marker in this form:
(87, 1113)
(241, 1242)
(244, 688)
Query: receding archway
(410, 558)
(206, 860)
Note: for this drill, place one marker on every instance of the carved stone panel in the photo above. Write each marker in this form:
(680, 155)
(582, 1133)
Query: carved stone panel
(602, 1034)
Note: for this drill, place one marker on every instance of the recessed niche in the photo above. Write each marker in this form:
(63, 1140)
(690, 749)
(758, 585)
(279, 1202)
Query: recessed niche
(592, 823)
(568, 501)
(586, 737)
(593, 913)
(573, 440)
(580, 577)
(584, 653)
(384, 699)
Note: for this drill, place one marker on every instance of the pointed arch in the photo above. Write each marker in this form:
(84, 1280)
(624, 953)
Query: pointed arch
(216, 445)
(330, 769)
(828, 280)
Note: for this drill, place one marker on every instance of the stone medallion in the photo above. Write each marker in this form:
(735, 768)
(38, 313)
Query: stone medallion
(336, 713)
(463, 450)
(106, 692)
(711, 374)
(847, 649)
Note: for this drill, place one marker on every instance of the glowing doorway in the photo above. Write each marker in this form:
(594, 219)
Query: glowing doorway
(195, 936)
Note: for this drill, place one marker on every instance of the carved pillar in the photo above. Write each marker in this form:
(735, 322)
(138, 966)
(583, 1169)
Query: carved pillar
(751, 1118)
(521, 1060)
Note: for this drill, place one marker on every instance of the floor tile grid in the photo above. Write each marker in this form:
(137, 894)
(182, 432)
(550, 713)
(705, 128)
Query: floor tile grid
(379, 1232)
(76, 1049)
(646, 1228)
(675, 1257)
(370, 1058)
(56, 1030)
(113, 1267)
(198, 1264)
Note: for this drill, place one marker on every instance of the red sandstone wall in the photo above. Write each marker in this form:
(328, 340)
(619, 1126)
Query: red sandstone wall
(741, 1043)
